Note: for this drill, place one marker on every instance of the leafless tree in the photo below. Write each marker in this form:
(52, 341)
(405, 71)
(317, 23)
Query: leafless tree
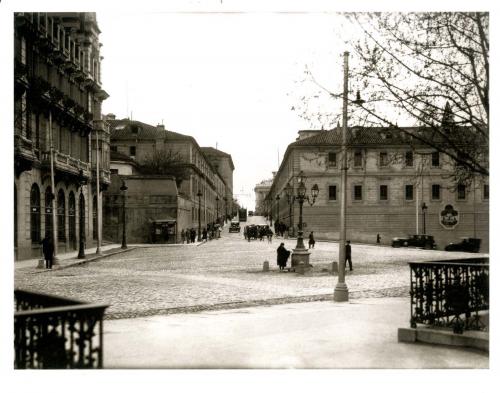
(165, 162)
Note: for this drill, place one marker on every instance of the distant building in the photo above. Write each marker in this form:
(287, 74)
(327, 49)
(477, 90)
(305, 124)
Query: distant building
(138, 150)
(389, 177)
(57, 122)
(261, 191)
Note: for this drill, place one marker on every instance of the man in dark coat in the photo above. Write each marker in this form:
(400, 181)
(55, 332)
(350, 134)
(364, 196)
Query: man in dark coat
(193, 235)
(348, 254)
(311, 240)
(48, 251)
(283, 255)
(204, 234)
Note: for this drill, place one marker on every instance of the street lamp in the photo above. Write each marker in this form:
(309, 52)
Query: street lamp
(225, 209)
(124, 189)
(341, 292)
(217, 209)
(277, 209)
(81, 249)
(300, 253)
(289, 199)
(424, 210)
(199, 214)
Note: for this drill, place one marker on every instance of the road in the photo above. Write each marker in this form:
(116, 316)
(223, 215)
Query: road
(223, 273)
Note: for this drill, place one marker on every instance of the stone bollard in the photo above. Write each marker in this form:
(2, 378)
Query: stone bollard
(335, 267)
(41, 264)
(265, 267)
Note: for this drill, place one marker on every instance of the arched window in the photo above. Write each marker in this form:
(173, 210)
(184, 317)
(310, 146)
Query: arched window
(48, 212)
(72, 219)
(61, 216)
(35, 214)
(94, 218)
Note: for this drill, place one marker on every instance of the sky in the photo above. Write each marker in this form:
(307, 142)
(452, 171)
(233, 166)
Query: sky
(230, 80)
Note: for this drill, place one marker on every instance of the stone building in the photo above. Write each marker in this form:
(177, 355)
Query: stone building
(389, 178)
(136, 148)
(261, 192)
(57, 128)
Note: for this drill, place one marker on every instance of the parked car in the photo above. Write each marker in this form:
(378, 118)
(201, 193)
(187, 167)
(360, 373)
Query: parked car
(468, 244)
(424, 241)
(234, 227)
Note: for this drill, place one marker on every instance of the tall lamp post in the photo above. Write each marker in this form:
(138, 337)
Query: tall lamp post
(217, 209)
(225, 209)
(124, 189)
(424, 210)
(277, 209)
(341, 292)
(289, 199)
(300, 253)
(81, 249)
(199, 194)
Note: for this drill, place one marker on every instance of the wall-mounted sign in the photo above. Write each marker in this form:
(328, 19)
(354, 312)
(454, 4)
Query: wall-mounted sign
(449, 217)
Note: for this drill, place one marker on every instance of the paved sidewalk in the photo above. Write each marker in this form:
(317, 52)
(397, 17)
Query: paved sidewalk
(361, 333)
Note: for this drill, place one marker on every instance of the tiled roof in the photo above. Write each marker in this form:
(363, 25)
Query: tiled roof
(122, 129)
(210, 151)
(361, 136)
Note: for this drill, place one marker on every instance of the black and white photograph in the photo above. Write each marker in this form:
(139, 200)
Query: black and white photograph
(273, 188)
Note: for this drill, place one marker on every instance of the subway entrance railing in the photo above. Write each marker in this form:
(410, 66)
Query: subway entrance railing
(450, 293)
(56, 333)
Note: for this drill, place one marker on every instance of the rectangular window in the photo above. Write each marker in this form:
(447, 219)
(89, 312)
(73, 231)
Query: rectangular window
(332, 193)
(436, 191)
(358, 158)
(409, 192)
(409, 158)
(384, 160)
(383, 192)
(461, 192)
(486, 191)
(132, 151)
(435, 159)
(358, 193)
(332, 159)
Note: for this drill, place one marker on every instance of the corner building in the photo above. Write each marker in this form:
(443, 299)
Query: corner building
(58, 131)
(389, 178)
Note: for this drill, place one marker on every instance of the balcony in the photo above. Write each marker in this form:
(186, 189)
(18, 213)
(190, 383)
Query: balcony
(66, 164)
(57, 333)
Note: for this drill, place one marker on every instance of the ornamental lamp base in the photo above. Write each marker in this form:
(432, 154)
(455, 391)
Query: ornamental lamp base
(341, 293)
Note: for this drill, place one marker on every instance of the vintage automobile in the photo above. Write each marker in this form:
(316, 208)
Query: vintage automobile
(468, 244)
(423, 241)
(234, 227)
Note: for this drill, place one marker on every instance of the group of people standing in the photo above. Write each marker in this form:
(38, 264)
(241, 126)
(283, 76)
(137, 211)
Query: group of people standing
(280, 228)
(210, 232)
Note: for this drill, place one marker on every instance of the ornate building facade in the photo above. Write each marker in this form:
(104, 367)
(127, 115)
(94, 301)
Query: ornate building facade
(390, 180)
(261, 192)
(60, 138)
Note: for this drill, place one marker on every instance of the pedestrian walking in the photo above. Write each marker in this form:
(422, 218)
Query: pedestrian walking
(311, 240)
(269, 234)
(183, 236)
(48, 251)
(378, 238)
(282, 256)
(348, 255)
(204, 234)
(193, 235)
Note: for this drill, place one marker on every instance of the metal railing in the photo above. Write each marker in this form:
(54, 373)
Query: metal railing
(449, 293)
(56, 333)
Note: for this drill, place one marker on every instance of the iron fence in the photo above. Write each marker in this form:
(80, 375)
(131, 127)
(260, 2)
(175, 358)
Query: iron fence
(56, 333)
(450, 293)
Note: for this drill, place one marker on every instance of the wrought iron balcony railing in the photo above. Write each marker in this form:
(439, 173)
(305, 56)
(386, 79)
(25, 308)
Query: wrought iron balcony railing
(450, 293)
(55, 332)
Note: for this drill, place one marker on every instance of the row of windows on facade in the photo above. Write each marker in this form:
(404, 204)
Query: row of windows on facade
(409, 192)
(383, 159)
(36, 214)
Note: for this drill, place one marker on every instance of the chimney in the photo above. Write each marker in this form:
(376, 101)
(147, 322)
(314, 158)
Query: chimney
(160, 127)
(303, 134)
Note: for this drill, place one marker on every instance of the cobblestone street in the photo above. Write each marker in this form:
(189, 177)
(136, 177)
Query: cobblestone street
(223, 273)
